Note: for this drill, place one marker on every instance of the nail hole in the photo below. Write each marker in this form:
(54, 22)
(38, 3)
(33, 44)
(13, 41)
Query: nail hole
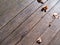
(49, 25)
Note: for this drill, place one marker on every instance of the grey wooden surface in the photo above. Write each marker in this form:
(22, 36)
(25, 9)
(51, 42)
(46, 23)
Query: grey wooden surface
(37, 30)
(11, 9)
(18, 20)
(22, 22)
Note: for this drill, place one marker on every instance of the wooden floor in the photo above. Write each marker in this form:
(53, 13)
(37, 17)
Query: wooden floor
(22, 22)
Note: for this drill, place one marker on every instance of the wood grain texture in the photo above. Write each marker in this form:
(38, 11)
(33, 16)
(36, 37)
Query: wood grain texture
(12, 8)
(51, 32)
(36, 31)
(24, 28)
(56, 39)
(29, 23)
(18, 20)
(8, 4)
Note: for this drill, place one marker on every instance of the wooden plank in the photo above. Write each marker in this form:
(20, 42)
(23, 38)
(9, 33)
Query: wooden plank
(11, 4)
(51, 32)
(4, 1)
(55, 40)
(37, 30)
(8, 4)
(20, 18)
(24, 28)
(12, 11)
(48, 35)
